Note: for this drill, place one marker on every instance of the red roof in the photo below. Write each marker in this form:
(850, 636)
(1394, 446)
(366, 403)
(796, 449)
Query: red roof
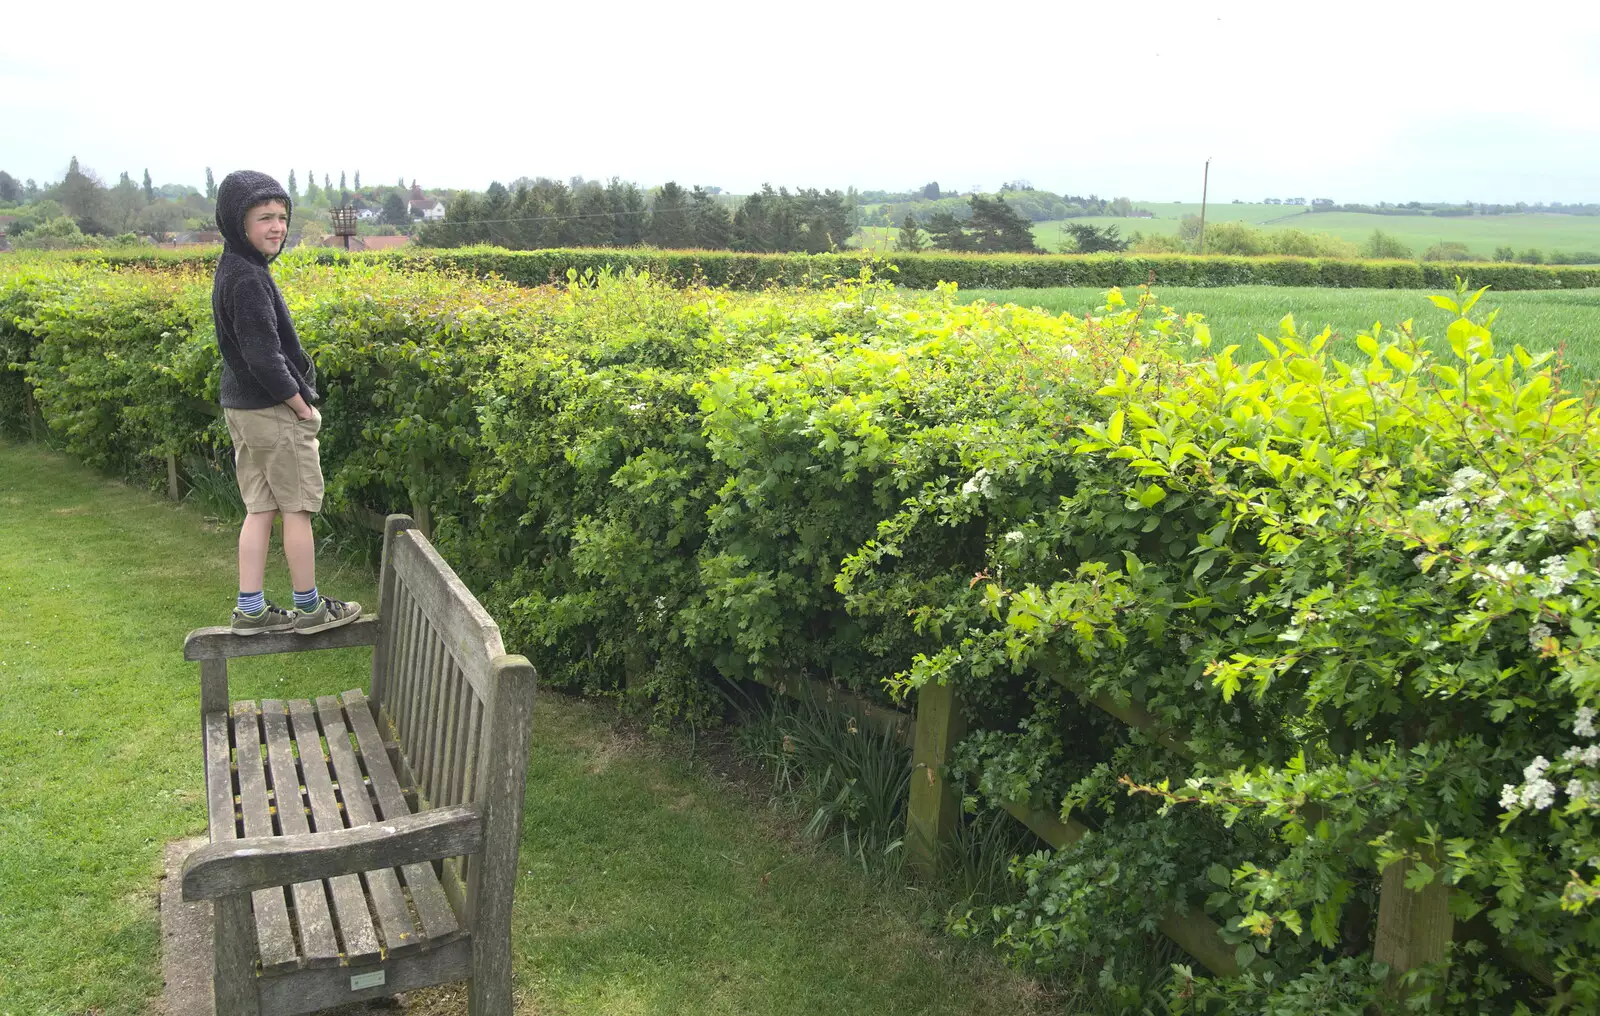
(360, 242)
(381, 242)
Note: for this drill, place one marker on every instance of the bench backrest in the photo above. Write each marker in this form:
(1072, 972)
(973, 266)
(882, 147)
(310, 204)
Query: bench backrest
(458, 707)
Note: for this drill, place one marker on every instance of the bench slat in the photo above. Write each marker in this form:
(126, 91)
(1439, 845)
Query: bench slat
(443, 670)
(456, 721)
(317, 943)
(433, 907)
(472, 752)
(469, 631)
(349, 901)
(274, 939)
(394, 919)
(220, 811)
(416, 749)
(398, 682)
(416, 645)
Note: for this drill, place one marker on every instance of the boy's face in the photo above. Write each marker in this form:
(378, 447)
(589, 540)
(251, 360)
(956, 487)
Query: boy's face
(266, 225)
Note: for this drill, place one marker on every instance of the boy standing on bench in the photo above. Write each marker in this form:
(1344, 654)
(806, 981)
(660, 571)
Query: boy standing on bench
(268, 387)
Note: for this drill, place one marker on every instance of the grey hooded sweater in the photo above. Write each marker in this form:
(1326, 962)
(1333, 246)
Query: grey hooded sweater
(262, 361)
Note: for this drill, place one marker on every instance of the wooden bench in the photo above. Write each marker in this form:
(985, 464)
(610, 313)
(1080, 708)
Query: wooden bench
(367, 844)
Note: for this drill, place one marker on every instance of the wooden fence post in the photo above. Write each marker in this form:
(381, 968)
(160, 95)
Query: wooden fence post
(934, 807)
(172, 477)
(1414, 928)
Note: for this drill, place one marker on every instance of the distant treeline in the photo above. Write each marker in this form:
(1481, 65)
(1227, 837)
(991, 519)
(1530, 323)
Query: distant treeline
(543, 213)
(889, 208)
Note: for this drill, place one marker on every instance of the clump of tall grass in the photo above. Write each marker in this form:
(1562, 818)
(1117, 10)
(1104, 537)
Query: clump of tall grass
(848, 780)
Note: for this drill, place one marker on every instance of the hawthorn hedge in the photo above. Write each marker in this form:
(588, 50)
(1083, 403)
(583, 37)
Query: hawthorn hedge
(1359, 598)
(926, 270)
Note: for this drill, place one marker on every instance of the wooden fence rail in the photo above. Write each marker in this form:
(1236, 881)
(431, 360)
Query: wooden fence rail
(1414, 928)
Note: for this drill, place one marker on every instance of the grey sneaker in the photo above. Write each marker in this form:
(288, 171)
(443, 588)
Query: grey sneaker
(273, 618)
(329, 614)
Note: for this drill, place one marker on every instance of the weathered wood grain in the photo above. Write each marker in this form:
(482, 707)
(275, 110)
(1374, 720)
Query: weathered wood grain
(427, 896)
(383, 886)
(318, 946)
(274, 939)
(467, 629)
(383, 649)
(223, 644)
(1414, 927)
(508, 726)
(234, 958)
(213, 687)
(933, 809)
(220, 869)
(315, 990)
(220, 811)
(359, 938)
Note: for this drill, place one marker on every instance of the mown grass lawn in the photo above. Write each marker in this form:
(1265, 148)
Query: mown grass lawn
(1537, 319)
(652, 884)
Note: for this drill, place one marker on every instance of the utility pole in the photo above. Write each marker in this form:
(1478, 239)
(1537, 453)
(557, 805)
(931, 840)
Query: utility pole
(1205, 182)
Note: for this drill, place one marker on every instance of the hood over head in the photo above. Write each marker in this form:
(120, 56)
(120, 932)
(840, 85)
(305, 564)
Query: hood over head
(241, 191)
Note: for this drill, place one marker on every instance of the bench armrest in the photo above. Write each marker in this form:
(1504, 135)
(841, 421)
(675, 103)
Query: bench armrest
(262, 862)
(222, 643)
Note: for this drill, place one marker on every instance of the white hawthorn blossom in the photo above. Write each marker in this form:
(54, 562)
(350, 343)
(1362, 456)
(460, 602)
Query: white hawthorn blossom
(1584, 523)
(1504, 572)
(1583, 723)
(1537, 634)
(1554, 574)
(981, 483)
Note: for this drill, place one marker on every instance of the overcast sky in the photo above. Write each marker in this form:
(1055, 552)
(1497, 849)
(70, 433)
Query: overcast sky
(1356, 101)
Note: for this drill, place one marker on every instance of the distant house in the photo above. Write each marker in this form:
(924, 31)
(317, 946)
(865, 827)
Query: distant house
(426, 209)
(199, 237)
(368, 214)
(6, 221)
(423, 207)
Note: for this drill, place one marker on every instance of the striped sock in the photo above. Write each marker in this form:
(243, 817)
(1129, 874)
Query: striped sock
(252, 603)
(307, 601)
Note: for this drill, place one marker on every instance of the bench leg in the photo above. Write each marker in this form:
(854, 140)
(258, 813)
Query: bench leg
(490, 991)
(234, 984)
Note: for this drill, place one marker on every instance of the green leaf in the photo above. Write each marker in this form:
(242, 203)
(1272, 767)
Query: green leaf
(1473, 299)
(1219, 875)
(1244, 955)
(1152, 496)
(1400, 358)
(1114, 427)
(1444, 303)
(1419, 876)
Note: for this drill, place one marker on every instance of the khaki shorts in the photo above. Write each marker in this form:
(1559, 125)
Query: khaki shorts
(277, 458)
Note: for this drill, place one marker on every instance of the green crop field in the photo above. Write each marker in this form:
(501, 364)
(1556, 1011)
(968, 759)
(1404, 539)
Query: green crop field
(1481, 233)
(1538, 320)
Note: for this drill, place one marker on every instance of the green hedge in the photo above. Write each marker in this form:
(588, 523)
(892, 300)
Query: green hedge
(1360, 596)
(927, 270)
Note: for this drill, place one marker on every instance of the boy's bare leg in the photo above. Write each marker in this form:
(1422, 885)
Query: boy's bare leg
(300, 547)
(254, 536)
